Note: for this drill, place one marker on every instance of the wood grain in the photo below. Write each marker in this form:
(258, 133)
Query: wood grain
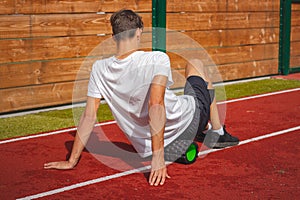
(47, 47)
(217, 21)
(38, 73)
(295, 36)
(232, 71)
(224, 38)
(61, 93)
(41, 95)
(75, 24)
(7, 7)
(78, 6)
(248, 69)
(295, 48)
(295, 61)
(221, 5)
(92, 24)
(14, 26)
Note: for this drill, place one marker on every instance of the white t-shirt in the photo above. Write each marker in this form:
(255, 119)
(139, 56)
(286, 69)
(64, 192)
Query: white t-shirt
(125, 83)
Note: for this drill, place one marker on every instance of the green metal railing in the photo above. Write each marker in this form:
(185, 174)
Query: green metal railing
(159, 25)
(285, 36)
(159, 32)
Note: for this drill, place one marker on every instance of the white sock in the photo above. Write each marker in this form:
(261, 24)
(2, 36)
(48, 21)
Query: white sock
(219, 131)
(208, 128)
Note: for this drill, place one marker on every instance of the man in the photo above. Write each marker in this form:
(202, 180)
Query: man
(157, 122)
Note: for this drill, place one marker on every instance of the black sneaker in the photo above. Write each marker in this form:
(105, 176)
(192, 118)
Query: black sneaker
(215, 141)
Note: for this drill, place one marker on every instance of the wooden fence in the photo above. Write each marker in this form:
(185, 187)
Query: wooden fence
(43, 43)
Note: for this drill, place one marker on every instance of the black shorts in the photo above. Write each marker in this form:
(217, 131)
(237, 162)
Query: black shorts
(195, 86)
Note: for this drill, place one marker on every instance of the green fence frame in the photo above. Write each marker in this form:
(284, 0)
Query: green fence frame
(284, 37)
(159, 25)
(159, 32)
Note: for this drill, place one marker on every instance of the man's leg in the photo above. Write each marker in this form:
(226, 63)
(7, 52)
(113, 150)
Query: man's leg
(217, 137)
(195, 68)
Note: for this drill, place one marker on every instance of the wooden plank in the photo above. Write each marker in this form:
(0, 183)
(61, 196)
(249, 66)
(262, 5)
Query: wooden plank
(295, 49)
(80, 6)
(7, 7)
(75, 24)
(232, 71)
(70, 24)
(224, 38)
(15, 50)
(232, 39)
(294, 61)
(15, 26)
(295, 18)
(66, 70)
(253, 5)
(24, 26)
(295, 6)
(19, 74)
(47, 48)
(15, 99)
(221, 5)
(248, 69)
(221, 56)
(85, 6)
(20, 50)
(243, 53)
(36, 73)
(216, 21)
(295, 36)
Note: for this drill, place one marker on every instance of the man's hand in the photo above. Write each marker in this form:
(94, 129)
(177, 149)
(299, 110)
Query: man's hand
(158, 172)
(86, 125)
(59, 165)
(157, 121)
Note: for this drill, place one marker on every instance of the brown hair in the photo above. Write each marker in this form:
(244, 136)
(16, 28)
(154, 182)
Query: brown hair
(125, 22)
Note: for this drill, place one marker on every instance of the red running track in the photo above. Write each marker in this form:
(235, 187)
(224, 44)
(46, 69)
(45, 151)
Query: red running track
(263, 169)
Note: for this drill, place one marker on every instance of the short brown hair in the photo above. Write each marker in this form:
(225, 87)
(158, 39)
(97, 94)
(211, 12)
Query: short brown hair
(126, 22)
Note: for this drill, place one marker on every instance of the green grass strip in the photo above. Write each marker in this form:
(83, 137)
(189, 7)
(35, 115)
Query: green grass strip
(58, 119)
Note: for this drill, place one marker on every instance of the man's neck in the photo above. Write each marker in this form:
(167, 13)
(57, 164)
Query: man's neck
(125, 48)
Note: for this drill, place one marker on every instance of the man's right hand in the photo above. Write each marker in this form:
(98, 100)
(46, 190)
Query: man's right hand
(158, 174)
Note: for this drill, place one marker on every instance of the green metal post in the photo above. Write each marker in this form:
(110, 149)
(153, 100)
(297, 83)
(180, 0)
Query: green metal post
(285, 35)
(159, 25)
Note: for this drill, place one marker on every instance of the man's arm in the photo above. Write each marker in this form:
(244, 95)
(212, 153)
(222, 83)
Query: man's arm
(157, 120)
(85, 127)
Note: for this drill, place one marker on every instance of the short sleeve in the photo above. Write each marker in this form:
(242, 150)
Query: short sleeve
(163, 67)
(93, 89)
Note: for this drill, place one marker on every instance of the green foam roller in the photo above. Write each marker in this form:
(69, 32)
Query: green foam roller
(190, 155)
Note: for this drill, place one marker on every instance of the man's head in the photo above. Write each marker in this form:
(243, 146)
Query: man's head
(125, 23)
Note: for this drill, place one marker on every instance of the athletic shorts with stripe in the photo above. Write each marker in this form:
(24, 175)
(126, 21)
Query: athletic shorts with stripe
(196, 87)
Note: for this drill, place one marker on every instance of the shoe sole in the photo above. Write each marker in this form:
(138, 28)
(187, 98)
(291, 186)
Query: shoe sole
(222, 145)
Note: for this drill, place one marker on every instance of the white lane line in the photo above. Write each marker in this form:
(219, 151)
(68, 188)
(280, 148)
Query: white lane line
(202, 153)
(118, 175)
(50, 133)
(86, 183)
(259, 96)
(113, 122)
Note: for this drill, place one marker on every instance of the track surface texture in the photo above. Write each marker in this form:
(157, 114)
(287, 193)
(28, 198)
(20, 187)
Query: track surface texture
(264, 169)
